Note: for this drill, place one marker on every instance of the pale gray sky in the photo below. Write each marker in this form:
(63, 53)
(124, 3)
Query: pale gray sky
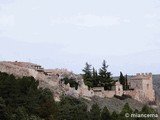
(68, 33)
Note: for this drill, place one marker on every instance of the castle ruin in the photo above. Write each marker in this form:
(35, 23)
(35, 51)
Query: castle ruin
(140, 86)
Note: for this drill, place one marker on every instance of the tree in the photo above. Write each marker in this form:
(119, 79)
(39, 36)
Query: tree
(123, 80)
(105, 114)
(103, 70)
(2, 109)
(95, 78)
(22, 99)
(126, 82)
(21, 114)
(126, 109)
(70, 108)
(148, 110)
(105, 77)
(47, 104)
(94, 72)
(87, 71)
(87, 76)
(114, 116)
(95, 112)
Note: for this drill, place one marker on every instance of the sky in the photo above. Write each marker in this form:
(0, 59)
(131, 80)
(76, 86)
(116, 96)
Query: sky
(69, 33)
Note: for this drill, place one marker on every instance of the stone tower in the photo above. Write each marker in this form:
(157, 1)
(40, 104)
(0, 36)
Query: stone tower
(142, 84)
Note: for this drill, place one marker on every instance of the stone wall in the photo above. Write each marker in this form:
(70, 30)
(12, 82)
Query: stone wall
(148, 90)
(135, 84)
(109, 94)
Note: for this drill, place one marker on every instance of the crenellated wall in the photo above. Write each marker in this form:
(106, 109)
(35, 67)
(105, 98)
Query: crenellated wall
(142, 85)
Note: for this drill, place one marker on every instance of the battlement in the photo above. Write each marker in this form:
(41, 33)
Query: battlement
(144, 74)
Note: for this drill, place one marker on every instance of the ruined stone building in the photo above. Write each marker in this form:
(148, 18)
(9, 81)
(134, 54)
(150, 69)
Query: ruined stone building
(140, 86)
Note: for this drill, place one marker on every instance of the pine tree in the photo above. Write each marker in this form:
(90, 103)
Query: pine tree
(105, 114)
(87, 71)
(2, 109)
(128, 110)
(94, 72)
(105, 77)
(103, 71)
(148, 110)
(95, 78)
(114, 116)
(87, 76)
(95, 112)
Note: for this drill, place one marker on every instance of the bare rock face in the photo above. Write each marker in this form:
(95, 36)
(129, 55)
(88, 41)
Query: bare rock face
(13, 69)
(21, 69)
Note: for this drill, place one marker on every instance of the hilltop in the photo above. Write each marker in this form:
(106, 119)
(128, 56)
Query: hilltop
(51, 78)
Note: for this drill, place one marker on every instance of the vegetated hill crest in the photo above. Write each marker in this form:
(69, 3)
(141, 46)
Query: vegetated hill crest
(51, 78)
(48, 78)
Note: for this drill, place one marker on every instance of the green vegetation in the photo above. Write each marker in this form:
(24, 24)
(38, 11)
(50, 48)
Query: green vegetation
(101, 79)
(71, 82)
(70, 108)
(21, 99)
(95, 112)
(105, 115)
(123, 80)
(87, 76)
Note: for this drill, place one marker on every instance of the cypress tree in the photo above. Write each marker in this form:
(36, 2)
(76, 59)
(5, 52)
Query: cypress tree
(122, 80)
(126, 83)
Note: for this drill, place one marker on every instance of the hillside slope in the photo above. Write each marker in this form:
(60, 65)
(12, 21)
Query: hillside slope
(46, 81)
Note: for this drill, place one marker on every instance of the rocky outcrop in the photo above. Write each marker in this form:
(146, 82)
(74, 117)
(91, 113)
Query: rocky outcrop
(23, 69)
